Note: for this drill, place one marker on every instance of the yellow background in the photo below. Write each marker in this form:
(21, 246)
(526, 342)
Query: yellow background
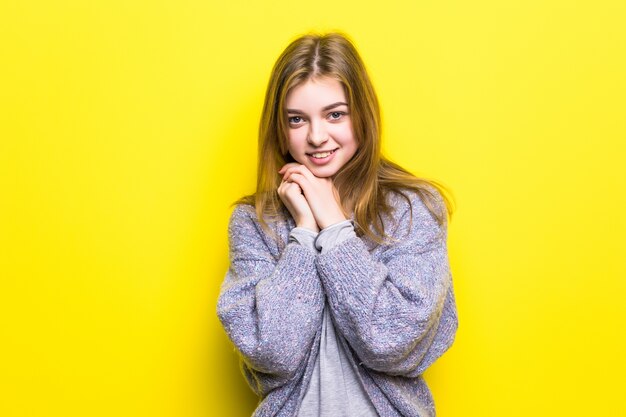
(127, 129)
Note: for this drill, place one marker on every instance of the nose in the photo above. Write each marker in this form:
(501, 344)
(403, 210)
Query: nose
(317, 134)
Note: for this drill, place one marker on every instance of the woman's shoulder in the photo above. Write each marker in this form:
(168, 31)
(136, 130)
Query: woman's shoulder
(243, 210)
(241, 214)
(414, 215)
(244, 222)
(246, 211)
(425, 201)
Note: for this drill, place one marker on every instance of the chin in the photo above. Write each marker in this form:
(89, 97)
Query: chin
(322, 172)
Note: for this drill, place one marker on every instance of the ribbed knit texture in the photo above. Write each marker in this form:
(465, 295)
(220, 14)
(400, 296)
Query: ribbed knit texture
(393, 303)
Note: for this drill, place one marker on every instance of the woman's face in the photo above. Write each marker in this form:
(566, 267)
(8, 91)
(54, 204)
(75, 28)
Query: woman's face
(320, 132)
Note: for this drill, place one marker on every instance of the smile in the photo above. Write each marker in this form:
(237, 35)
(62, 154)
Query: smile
(321, 155)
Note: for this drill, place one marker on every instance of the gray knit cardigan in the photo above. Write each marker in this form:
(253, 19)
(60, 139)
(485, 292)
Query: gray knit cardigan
(393, 303)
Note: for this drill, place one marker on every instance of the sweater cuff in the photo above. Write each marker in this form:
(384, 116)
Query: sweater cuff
(303, 236)
(334, 235)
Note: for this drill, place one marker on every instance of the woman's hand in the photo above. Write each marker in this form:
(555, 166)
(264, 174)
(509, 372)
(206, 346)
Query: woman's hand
(320, 194)
(291, 195)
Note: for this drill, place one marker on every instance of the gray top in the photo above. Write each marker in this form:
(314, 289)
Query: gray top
(335, 389)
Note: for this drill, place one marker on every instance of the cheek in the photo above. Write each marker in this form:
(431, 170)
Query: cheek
(292, 143)
(296, 146)
(347, 139)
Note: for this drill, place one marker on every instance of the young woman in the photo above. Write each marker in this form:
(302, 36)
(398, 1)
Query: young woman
(339, 293)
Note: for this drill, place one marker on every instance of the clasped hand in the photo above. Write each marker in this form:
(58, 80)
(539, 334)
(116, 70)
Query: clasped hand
(313, 202)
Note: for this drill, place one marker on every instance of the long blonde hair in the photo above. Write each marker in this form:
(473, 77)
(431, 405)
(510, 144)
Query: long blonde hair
(364, 181)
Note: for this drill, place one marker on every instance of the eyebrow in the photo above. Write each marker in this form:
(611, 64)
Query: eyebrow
(330, 106)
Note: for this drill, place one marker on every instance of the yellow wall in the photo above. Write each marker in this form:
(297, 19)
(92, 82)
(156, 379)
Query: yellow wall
(126, 129)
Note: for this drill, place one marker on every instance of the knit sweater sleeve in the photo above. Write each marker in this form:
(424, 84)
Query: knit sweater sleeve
(396, 309)
(270, 304)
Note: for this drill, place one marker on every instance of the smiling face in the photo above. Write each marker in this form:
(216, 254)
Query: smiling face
(320, 132)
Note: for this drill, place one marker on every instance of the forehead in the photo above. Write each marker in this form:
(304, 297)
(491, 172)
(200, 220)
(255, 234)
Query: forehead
(316, 92)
